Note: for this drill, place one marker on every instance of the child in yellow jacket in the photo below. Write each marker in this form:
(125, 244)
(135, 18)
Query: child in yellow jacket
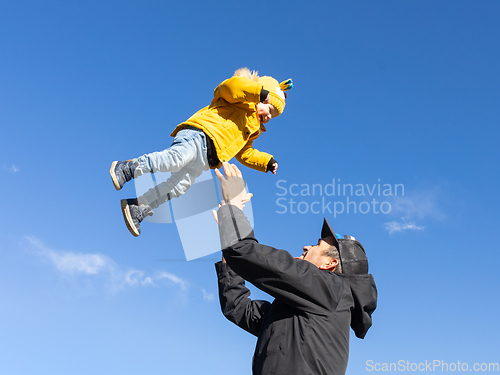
(215, 134)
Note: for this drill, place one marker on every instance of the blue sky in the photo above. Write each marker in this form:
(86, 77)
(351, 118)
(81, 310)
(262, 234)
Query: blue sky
(385, 92)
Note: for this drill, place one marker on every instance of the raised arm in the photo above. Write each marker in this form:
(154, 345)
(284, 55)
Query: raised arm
(294, 282)
(297, 283)
(235, 302)
(254, 158)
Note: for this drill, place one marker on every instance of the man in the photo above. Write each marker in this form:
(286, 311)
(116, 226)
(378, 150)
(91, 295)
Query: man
(317, 295)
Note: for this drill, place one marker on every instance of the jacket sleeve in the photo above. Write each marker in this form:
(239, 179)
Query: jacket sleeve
(295, 282)
(235, 302)
(253, 158)
(239, 90)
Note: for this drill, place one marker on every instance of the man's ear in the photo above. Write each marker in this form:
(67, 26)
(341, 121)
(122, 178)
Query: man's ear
(330, 265)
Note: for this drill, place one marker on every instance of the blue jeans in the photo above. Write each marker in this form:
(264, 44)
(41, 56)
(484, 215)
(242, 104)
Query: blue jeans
(186, 159)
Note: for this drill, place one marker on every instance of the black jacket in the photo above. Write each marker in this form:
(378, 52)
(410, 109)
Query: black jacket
(306, 329)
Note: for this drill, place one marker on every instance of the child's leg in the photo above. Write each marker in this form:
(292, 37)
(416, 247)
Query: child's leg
(175, 186)
(184, 150)
(187, 159)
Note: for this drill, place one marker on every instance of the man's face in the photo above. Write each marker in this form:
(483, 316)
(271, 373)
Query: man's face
(315, 254)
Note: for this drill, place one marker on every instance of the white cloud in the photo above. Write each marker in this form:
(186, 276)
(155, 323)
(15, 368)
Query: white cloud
(418, 206)
(74, 263)
(91, 265)
(209, 297)
(148, 281)
(136, 277)
(12, 168)
(84, 264)
(175, 279)
(395, 226)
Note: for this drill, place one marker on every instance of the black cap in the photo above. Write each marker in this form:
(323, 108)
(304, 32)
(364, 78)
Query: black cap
(352, 254)
(327, 231)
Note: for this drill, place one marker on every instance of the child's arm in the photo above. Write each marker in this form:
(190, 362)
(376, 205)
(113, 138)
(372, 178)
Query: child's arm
(239, 89)
(255, 159)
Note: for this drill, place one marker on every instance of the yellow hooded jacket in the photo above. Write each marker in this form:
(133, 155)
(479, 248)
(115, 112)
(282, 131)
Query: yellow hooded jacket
(232, 123)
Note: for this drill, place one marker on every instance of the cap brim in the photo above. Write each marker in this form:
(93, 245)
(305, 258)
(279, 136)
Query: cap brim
(327, 231)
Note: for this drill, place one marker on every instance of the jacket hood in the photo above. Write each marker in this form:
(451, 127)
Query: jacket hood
(364, 293)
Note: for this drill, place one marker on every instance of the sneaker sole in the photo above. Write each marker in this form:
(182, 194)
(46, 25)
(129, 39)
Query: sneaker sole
(128, 218)
(113, 176)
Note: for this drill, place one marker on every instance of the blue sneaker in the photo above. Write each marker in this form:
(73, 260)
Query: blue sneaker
(123, 171)
(133, 213)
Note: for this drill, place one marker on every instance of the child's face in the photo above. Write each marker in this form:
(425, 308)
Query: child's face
(266, 112)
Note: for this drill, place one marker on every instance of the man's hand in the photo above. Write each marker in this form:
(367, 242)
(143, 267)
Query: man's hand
(233, 186)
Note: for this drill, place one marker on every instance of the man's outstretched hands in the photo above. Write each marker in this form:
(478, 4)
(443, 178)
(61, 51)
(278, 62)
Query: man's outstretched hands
(233, 186)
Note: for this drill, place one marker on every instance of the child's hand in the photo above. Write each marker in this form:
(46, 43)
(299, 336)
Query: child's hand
(275, 168)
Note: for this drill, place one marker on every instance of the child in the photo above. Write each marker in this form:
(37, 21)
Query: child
(215, 134)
